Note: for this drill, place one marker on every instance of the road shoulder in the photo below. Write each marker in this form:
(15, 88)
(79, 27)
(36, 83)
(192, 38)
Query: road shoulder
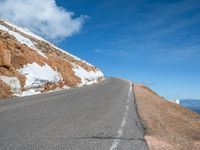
(167, 125)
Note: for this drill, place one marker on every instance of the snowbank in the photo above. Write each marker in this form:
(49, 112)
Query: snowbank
(13, 82)
(39, 75)
(87, 78)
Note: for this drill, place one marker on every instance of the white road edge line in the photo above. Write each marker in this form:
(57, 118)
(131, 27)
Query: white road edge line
(123, 123)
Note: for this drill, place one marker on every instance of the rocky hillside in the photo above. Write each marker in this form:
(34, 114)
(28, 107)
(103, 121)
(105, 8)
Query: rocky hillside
(29, 64)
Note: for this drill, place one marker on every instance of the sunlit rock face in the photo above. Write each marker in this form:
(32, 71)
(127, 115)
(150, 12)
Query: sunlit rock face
(31, 65)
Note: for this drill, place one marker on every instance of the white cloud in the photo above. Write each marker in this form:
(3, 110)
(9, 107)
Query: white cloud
(43, 17)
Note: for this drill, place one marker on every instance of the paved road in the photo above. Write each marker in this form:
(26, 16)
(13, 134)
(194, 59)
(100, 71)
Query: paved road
(97, 117)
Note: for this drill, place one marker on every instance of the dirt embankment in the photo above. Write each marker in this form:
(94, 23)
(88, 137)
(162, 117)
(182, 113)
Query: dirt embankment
(14, 55)
(168, 126)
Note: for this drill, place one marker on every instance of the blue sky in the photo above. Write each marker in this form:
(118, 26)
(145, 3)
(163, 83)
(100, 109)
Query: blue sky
(155, 42)
(148, 41)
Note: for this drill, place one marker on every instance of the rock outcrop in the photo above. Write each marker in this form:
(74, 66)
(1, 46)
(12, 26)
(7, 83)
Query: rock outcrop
(5, 56)
(38, 64)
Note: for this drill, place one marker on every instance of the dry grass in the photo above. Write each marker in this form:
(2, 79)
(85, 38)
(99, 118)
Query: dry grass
(168, 126)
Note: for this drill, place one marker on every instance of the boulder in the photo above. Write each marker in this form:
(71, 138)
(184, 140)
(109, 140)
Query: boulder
(5, 58)
(5, 90)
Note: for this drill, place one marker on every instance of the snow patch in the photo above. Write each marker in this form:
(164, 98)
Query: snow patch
(19, 37)
(28, 93)
(87, 77)
(29, 33)
(3, 28)
(24, 30)
(22, 39)
(65, 87)
(28, 42)
(39, 75)
(36, 91)
(177, 101)
(13, 82)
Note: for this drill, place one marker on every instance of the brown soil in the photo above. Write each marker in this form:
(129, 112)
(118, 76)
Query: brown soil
(4, 90)
(168, 126)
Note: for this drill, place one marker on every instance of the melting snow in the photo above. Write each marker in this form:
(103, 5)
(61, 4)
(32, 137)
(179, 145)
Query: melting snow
(87, 78)
(28, 42)
(25, 31)
(13, 82)
(28, 92)
(22, 39)
(39, 75)
(31, 44)
(3, 28)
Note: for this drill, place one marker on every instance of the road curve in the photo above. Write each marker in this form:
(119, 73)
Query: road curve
(96, 117)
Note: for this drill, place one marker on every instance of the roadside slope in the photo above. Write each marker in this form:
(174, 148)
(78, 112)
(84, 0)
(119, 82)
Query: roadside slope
(31, 65)
(168, 126)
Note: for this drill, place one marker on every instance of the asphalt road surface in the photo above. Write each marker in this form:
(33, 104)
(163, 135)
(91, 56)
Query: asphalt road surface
(97, 117)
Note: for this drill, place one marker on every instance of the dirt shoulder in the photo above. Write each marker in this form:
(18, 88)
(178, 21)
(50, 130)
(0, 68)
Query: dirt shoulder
(168, 126)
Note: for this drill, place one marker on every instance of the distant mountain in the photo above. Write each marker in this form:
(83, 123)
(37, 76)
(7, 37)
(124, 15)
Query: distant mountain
(30, 65)
(192, 104)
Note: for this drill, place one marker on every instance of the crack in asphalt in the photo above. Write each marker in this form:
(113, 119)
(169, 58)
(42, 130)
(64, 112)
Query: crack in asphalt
(137, 124)
(113, 138)
(102, 138)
